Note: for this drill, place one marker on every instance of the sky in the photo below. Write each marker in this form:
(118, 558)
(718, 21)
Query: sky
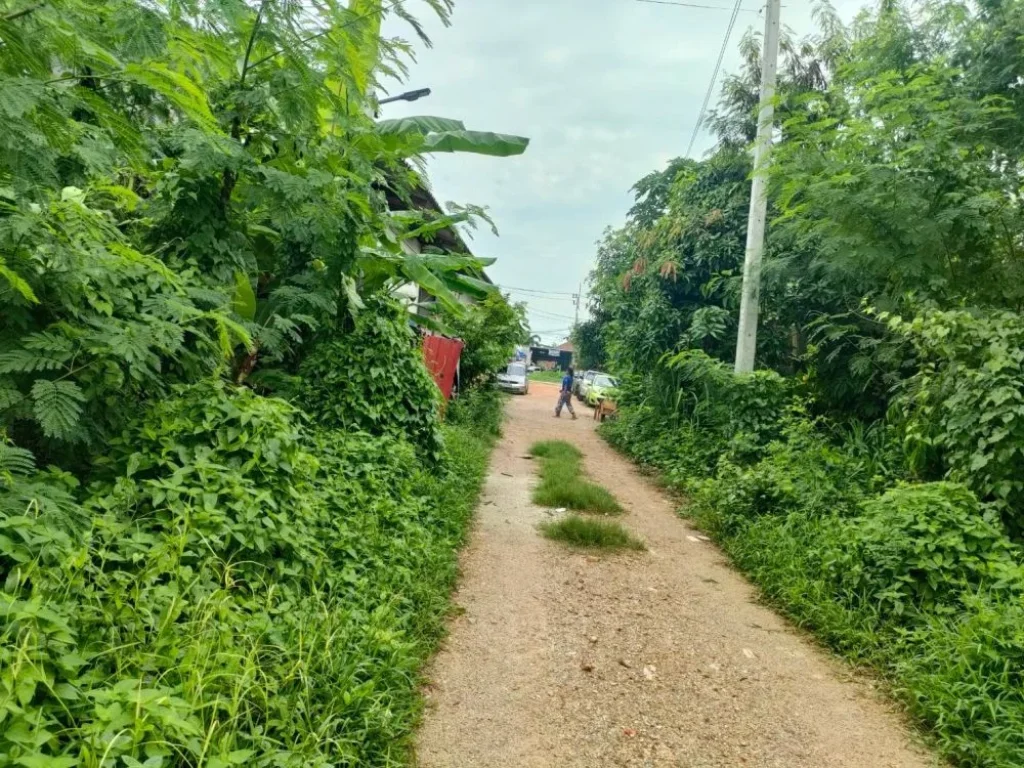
(606, 90)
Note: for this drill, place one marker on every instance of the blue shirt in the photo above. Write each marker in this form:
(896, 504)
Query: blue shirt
(567, 383)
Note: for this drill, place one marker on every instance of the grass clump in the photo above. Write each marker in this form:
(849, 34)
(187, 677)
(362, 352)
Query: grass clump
(561, 483)
(592, 534)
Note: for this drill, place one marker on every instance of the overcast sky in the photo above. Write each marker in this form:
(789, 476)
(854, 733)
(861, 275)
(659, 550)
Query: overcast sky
(606, 90)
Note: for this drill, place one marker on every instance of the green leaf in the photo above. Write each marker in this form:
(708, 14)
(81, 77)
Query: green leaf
(178, 89)
(471, 286)
(29, 361)
(57, 407)
(16, 461)
(416, 269)
(46, 761)
(244, 301)
(478, 142)
(421, 125)
(18, 283)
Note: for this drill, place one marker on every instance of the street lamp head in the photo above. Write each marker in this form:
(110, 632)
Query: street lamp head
(419, 93)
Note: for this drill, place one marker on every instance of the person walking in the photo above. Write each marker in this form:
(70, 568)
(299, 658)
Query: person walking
(565, 395)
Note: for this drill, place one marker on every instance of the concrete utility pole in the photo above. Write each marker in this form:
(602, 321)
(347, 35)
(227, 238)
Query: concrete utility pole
(576, 301)
(746, 339)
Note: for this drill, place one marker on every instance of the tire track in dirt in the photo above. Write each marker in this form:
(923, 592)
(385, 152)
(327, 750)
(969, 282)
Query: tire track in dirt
(662, 658)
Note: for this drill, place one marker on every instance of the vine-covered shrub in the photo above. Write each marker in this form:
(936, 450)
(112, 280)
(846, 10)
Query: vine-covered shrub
(720, 401)
(964, 408)
(925, 548)
(684, 414)
(250, 591)
(801, 471)
(480, 408)
(374, 379)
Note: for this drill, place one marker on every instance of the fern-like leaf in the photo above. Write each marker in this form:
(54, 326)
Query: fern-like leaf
(15, 461)
(9, 394)
(57, 407)
(32, 361)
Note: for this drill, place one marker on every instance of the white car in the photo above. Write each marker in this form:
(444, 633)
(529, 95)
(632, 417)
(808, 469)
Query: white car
(584, 385)
(514, 379)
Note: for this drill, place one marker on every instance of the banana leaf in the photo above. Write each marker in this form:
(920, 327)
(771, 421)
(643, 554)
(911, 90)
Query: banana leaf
(479, 142)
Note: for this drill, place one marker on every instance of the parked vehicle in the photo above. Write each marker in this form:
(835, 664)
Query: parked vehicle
(514, 379)
(584, 384)
(532, 368)
(603, 386)
(577, 380)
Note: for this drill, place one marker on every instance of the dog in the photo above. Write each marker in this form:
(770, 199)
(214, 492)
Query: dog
(604, 409)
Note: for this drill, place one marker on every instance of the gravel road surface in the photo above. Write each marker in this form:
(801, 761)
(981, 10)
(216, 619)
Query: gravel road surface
(662, 658)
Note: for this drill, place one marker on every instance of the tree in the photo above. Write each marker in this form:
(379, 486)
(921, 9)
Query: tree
(491, 330)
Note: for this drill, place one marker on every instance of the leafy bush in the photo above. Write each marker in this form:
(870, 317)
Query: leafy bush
(68, 364)
(716, 401)
(924, 547)
(685, 414)
(964, 408)
(374, 379)
(801, 471)
(478, 408)
(491, 331)
(250, 591)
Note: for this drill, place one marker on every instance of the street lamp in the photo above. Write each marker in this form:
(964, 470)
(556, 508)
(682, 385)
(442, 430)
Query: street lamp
(419, 93)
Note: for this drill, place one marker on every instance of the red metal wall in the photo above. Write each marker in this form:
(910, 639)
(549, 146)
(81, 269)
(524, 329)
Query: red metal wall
(442, 356)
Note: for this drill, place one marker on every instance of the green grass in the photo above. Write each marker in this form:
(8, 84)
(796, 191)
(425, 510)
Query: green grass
(552, 377)
(585, 532)
(561, 482)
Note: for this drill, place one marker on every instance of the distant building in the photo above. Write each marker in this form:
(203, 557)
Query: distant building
(550, 358)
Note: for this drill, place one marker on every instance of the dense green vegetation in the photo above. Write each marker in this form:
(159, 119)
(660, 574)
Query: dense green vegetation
(868, 477)
(229, 510)
(587, 533)
(562, 483)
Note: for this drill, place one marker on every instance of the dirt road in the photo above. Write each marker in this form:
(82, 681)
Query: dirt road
(656, 659)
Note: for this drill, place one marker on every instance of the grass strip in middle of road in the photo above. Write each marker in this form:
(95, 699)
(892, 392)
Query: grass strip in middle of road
(562, 484)
(578, 531)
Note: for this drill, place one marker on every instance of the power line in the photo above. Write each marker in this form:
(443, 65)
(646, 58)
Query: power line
(697, 5)
(552, 315)
(714, 76)
(534, 290)
(540, 297)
